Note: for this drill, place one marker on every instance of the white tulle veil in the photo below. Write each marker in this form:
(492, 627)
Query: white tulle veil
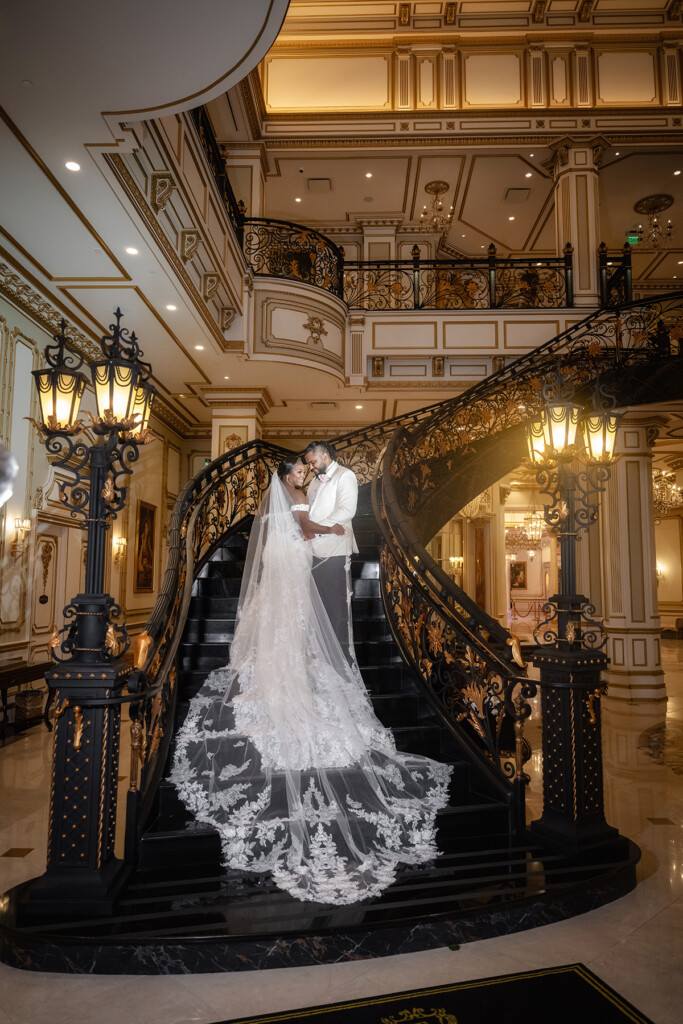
(281, 750)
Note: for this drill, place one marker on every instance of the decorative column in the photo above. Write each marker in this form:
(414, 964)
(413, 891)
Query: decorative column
(631, 615)
(577, 212)
(236, 416)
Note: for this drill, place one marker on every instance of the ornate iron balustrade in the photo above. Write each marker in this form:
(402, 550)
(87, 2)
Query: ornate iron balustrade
(486, 283)
(610, 343)
(477, 684)
(216, 164)
(279, 248)
(467, 660)
(225, 493)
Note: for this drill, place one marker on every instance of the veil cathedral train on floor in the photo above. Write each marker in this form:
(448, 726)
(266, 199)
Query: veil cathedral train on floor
(281, 751)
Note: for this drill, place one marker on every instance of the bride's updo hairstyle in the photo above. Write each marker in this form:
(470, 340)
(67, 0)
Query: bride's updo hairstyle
(286, 466)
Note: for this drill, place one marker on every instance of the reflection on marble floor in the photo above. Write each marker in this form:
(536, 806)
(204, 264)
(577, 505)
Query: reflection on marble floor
(635, 944)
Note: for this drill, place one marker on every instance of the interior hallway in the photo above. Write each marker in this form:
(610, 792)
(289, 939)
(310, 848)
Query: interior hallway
(634, 944)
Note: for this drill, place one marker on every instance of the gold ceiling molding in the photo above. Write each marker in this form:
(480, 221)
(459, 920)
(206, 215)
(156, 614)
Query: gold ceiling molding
(566, 36)
(139, 201)
(387, 384)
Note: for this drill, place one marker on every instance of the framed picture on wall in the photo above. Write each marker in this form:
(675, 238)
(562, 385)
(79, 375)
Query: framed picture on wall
(145, 543)
(517, 575)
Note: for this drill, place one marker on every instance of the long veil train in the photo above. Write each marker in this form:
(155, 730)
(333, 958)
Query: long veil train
(281, 751)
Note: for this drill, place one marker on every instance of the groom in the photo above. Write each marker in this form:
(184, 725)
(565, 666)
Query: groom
(332, 497)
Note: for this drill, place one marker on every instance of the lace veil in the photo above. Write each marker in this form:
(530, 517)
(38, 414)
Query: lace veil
(281, 750)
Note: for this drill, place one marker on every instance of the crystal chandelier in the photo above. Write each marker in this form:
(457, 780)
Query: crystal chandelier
(668, 499)
(654, 235)
(433, 217)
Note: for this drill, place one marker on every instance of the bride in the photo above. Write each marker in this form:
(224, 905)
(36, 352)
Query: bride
(281, 751)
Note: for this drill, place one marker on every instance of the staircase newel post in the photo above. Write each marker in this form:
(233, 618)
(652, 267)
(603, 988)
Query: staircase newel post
(569, 273)
(415, 253)
(492, 276)
(628, 273)
(602, 264)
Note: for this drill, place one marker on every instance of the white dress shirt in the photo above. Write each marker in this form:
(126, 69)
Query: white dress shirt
(331, 501)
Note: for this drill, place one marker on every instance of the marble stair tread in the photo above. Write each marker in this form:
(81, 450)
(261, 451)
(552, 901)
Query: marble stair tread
(262, 910)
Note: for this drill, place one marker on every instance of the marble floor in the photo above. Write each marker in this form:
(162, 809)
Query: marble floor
(634, 944)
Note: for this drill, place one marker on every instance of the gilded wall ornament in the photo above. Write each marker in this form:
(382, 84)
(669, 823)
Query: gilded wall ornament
(210, 284)
(227, 317)
(161, 186)
(189, 243)
(315, 325)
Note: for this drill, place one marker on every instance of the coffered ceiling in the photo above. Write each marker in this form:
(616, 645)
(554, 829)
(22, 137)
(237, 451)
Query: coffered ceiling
(78, 80)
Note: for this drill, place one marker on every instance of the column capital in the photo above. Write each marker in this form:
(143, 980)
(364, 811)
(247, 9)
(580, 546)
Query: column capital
(565, 150)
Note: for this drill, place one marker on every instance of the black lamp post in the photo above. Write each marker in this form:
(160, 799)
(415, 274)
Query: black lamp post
(82, 873)
(570, 654)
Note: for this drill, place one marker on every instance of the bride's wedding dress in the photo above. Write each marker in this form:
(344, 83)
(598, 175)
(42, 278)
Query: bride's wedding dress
(281, 751)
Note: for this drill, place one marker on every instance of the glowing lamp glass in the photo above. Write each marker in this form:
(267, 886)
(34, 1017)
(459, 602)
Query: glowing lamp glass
(560, 422)
(143, 400)
(115, 382)
(600, 435)
(59, 392)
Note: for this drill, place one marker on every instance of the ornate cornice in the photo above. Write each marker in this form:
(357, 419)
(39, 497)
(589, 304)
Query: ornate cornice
(46, 312)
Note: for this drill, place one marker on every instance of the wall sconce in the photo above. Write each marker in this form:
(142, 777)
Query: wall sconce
(119, 552)
(21, 528)
(659, 572)
(456, 563)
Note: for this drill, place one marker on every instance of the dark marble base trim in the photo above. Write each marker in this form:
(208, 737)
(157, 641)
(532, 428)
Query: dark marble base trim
(188, 955)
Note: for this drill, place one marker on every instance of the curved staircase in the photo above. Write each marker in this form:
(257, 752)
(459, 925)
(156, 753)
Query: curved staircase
(179, 910)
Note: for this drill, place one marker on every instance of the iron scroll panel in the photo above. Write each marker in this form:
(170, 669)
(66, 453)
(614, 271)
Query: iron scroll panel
(470, 677)
(611, 344)
(223, 494)
(279, 248)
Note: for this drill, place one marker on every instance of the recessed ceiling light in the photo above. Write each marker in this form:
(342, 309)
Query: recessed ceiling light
(131, 250)
(609, 263)
(511, 218)
(680, 263)
(528, 174)
(617, 153)
(359, 407)
(181, 396)
(298, 199)
(368, 174)
(531, 154)
(538, 264)
(200, 348)
(171, 307)
(71, 165)
(482, 246)
(676, 172)
(463, 236)
(226, 378)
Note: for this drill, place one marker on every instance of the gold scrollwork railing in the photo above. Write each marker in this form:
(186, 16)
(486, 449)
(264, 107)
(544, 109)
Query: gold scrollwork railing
(223, 495)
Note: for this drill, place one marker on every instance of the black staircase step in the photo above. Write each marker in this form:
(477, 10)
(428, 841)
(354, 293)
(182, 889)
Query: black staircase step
(204, 655)
(397, 709)
(366, 588)
(216, 586)
(371, 629)
(365, 569)
(367, 607)
(377, 652)
(219, 607)
(212, 630)
(222, 570)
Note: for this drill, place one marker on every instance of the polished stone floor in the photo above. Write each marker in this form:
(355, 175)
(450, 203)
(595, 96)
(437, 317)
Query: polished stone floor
(635, 944)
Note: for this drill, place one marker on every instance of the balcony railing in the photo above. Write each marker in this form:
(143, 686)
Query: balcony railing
(616, 277)
(278, 248)
(485, 283)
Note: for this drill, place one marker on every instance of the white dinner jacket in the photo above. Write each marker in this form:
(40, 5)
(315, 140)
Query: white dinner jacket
(334, 501)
